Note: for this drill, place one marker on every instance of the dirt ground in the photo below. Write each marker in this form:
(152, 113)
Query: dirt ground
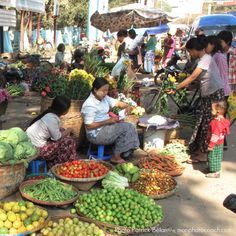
(196, 207)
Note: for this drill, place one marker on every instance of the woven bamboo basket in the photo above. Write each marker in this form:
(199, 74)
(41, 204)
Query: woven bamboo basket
(133, 119)
(83, 219)
(83, 184)
(11, 177)
(121, 230)
(72, 119)
(46, 203)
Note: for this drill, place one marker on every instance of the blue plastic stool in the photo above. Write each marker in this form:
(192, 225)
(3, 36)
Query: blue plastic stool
(36, 164)
(99, 154)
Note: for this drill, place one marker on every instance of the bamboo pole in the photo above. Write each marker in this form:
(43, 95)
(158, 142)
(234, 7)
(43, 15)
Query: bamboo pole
(30, 29)
(22, 29)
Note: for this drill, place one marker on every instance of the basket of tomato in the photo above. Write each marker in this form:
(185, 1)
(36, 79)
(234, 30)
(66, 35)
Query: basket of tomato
(83, 174)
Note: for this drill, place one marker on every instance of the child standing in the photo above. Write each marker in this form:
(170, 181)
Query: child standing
(219, 127)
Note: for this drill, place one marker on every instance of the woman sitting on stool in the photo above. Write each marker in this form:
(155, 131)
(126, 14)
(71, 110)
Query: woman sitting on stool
(104, 130)
(55, 146)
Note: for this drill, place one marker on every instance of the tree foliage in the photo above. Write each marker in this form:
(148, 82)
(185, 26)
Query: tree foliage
(163, 5)
(118, 3)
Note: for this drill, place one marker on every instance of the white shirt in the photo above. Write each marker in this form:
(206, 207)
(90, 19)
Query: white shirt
(48, 127)
(94, 110)
(210, 77)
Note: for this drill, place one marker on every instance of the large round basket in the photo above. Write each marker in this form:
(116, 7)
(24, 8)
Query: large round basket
(81, 218)
(72, 119)
(11, 177)
(41, 226)
(119, 229)
(46, 203)
(83, 184)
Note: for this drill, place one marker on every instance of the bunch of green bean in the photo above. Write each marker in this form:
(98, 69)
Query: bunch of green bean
(50, 190)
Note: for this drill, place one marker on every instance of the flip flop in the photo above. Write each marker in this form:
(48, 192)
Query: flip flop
(121, 161)
(194, 161)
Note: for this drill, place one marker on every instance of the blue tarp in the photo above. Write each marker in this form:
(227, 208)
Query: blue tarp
(158, 30)
(153, 30)
(217, 20)
(7, 42)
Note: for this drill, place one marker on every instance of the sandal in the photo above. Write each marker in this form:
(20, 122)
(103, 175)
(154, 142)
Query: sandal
(194, 161)
(213, 175)
(121, 161)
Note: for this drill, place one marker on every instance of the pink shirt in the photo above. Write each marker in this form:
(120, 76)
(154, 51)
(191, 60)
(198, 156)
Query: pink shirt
(169, 51)
(221, 61)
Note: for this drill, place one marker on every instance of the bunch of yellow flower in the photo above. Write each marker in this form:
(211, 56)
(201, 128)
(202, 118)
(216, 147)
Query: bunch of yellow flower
(81, 74)
(112, 82)
(138, 111)
(79, 84)
(127, 62)
(171, 78)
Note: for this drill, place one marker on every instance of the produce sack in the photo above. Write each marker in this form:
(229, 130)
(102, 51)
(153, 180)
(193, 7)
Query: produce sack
(232, 107)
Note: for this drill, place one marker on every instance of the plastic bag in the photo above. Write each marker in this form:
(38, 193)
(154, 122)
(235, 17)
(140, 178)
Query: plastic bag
(119, 66)
(232, 107)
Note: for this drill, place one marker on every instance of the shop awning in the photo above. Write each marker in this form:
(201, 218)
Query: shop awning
(7, 18)
(26, 5)
(31, 5)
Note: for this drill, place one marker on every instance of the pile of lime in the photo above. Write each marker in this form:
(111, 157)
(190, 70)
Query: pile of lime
(19, 217)
(71, 227)
(120, 207)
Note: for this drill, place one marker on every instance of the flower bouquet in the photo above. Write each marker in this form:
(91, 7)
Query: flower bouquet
(53, 84)
(79, 84)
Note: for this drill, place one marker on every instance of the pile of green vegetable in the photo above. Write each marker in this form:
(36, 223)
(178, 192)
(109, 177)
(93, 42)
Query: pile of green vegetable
(50, 190)
(178, 150)
(16, 90)
(119, 207)
(128, 170)
(114, 180)
(15, 146)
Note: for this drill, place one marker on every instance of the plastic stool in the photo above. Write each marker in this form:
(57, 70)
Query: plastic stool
(99, 154)
(35, 165)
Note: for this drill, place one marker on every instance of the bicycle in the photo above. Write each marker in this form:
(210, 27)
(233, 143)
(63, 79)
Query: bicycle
(153, 104)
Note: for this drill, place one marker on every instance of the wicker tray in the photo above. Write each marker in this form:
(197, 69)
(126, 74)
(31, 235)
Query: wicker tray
(46, 203)
(121, 229)
(33, 230)
(54, 171)
(163, 195)
(81, 183)
(81, 218)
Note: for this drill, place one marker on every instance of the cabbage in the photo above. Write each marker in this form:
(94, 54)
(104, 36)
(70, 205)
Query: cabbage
(3, 134)
(19, 152)
(13, 136)
(29, 148)
(6, 152)
(20, 133)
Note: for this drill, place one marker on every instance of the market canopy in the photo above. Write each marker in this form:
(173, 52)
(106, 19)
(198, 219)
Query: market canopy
(7, 18)
(26, 5)
(132, 15)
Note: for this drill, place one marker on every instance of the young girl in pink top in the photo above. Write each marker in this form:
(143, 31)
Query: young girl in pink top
(214, 48)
